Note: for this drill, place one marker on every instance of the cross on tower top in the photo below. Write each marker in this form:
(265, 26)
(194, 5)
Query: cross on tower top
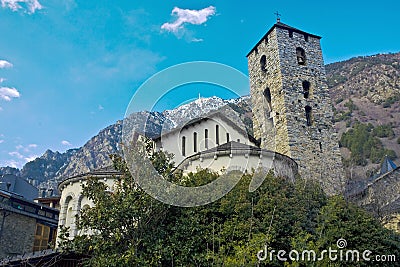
(278, 16)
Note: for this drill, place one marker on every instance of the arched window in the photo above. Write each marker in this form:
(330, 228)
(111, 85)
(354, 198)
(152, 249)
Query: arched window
(217, 134)
(263, 62)
(194, 142)
(69, 218)
(308, 110)
(301, 56)
(206, 138)
(306, 89)
(183, 146)
(267, 95)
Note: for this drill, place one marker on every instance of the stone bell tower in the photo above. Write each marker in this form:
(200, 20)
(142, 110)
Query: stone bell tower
(292, 109)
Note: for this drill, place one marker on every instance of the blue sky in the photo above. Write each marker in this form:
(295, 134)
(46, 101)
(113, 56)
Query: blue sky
(68, 68)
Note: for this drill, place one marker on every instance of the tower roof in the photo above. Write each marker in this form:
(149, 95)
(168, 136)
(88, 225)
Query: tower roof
(282, 26)
(387, 166)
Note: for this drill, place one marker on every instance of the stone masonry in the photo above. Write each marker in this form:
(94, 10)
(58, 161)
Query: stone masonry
(292, 110)
(17, 235)
(381, 198)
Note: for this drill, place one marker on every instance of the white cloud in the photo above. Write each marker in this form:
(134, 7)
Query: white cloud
(21, 155)
(28, 6)
(16, 154)
(26, 149)
(5, 64)
(1, 141)
(11, 163)
(19, 147)
(19, 162)
(65, 143)
(7, 93)
(188, 16)
(197, 40)
(30, 158)
(100, 107)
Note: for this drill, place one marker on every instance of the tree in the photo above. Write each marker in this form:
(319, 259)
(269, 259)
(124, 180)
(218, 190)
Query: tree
(120, 224)
(342, 220)
(129, 228)
(363, 143)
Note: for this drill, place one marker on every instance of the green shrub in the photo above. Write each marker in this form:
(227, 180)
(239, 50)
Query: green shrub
(386, 105)
(339, 100)
(364, 144)
(342, 116)
(391, 100)
(383, 131)
(351, 106)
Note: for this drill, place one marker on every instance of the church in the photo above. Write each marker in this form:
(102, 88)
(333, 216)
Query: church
(215, 142)
(292, 120)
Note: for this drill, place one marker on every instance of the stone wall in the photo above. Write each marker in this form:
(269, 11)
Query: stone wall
(380, 197)
(315, 148)
(17, 235)
(273, 135)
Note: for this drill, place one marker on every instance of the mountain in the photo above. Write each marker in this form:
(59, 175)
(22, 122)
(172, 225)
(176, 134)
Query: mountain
(53, 167)
(363, 89)
(373, 79)
(193, 109)
(366, 90)
(47, 166)
(9, 170)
